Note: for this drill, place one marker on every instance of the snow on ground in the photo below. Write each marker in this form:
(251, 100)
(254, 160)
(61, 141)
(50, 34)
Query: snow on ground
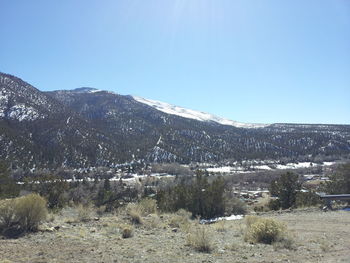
(192, 114)
(22, 112)
(227, 169)
(328, 163)
(225, 218)
(272, 166)
(295, 165)
(263, 167)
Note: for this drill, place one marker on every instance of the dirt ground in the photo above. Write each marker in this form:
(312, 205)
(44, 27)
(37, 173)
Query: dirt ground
(318, 237)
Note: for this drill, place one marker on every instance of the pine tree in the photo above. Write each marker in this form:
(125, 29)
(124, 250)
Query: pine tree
(8, 187)
(286, 188)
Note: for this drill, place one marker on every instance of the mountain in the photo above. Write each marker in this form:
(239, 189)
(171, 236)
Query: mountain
(37, 130)
(89, 127)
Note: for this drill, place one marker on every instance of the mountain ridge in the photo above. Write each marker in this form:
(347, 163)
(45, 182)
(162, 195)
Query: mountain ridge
(89, 127)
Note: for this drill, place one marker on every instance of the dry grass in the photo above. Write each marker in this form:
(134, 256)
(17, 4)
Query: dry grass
(180, 219)
(285, 241)
(135, 214)
(250, 220)
(152, 221)
(316, 241)
(200, 238)
(147, 206)
(325, 245)
(112, 229)
(221, 226)
(84, 213)
(141, 209)
(101, 210)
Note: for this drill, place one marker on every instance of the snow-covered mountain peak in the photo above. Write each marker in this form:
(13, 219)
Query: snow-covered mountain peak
(192, 114)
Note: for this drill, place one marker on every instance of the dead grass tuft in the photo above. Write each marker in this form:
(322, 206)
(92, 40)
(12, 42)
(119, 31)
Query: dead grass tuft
(221, 226)
(200, 239)
(135, 214)
(83, 213)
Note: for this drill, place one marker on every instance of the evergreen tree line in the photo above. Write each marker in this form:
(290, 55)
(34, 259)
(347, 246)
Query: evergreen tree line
(201, 198)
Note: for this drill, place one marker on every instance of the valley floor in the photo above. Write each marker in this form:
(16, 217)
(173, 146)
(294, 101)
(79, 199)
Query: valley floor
(319, 237)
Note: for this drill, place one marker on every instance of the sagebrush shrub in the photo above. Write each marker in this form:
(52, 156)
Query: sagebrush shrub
(22, 214)
(30, 211)
(264, 230)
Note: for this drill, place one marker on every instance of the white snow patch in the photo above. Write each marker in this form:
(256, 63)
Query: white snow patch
(263, 167)
(225, 169)
(328, 163)
(196, 115)
(296, 165)
(22, 112)
(226, 218)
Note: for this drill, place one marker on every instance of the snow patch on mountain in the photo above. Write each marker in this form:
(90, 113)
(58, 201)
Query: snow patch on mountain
(196, 115)
(22, 112)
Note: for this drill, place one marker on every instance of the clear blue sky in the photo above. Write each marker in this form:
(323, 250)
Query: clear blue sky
(251, 61)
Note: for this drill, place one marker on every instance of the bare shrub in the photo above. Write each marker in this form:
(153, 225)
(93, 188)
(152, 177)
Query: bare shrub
(264, 230)
(200, 239)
